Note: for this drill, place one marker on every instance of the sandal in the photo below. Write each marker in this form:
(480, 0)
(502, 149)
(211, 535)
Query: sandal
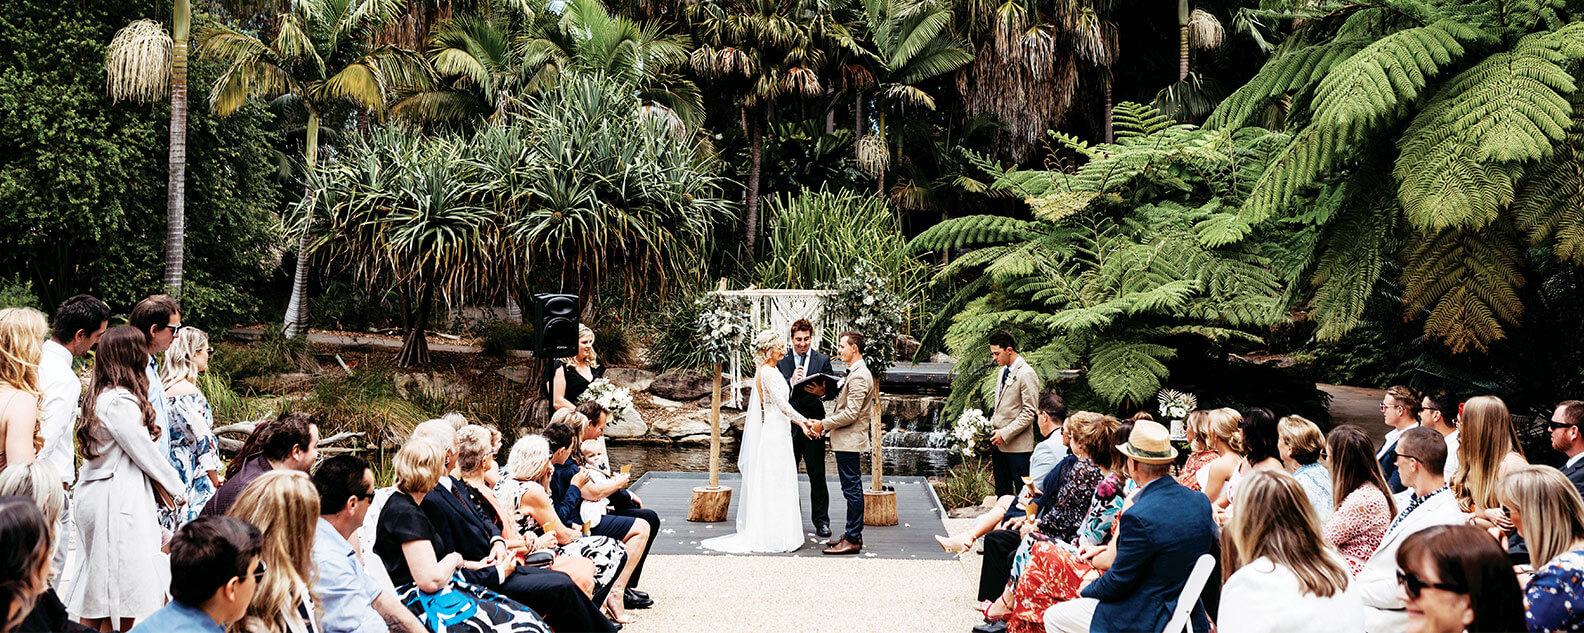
(954, 546)
(622, 619)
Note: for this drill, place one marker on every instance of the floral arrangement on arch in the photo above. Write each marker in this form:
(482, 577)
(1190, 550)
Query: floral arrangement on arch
(617, 399)
(864, 301)
(722, 326)
(970, 435)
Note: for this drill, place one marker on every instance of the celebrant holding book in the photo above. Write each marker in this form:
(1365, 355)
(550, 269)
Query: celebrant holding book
(799, 363)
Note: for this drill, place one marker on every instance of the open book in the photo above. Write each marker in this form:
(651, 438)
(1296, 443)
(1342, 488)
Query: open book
(829, 380)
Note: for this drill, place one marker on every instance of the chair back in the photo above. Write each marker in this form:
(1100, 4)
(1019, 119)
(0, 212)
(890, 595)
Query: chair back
(1180, 621)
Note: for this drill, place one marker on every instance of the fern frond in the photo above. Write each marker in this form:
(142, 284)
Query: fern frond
(1295, 67)
(1372, 86)
(1469, 282)
(1549, 203)
(1222, 229)
(1133, 120)
(1351, 254)
(1127, 371)
(973, 230)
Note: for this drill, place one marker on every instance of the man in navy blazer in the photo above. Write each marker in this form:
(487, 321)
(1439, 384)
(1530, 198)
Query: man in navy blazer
(1161, 537)
(1567, 437)
(803, 360)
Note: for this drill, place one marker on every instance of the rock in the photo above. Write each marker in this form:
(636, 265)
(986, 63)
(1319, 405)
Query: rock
(662, 402)
(942, 357)
(906, 346)
(682, 385)
(694, 440)
(282, 383)
(675, 426)
(432, 383)
(634, 380)
(734, 421)
(630, 424)
(515, 373)
(967, 512)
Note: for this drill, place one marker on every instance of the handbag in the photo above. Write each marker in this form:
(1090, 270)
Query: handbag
(463, 607)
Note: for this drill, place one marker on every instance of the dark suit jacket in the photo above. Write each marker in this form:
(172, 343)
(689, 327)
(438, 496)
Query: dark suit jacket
(1575, 474)
(228, 492)
(566, 497)
(1388, 464)
(802, 401)
(461, 530)
(1161, 537)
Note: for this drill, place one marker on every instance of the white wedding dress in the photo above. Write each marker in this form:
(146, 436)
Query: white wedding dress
(768, 516)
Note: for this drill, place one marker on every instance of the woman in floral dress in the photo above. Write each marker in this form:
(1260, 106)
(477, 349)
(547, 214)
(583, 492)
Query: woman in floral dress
(1194, 428)
(194, 450)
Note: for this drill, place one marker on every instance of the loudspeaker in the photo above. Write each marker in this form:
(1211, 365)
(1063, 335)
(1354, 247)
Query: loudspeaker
(555, 325)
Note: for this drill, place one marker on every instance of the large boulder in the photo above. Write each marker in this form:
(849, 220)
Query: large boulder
(906, 347)
(634, 380)
(682, 385)
(679, 426)
(629, 424)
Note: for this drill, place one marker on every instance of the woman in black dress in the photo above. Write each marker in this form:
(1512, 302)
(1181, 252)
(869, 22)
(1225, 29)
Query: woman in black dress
(570, 377)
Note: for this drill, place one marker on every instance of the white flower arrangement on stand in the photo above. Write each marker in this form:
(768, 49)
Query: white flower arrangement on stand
(971, 433)
(616, 399)
(1174, 406)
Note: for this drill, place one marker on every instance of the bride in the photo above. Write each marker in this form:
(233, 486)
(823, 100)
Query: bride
(768, 517)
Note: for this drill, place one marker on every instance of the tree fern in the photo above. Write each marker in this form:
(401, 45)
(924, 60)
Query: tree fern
(1133, 120)
(1549, 204)
(971, 230)
(1469, 283)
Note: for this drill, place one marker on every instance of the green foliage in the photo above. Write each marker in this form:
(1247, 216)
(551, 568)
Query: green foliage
(18, 293)
(675, 342)
(1132, 120)
(817, 237)
(864, 300)
(497, 338)
(613, 342)
(967, 484)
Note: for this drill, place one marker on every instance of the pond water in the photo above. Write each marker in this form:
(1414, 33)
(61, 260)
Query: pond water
(695, 458)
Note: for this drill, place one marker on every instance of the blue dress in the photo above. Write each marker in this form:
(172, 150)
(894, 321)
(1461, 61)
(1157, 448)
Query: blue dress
(1554, 599)
(194, 452)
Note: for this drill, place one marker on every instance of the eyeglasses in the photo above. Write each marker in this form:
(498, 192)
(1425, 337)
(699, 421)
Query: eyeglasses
(1385, 406)
(258, 574)
(1414, 586)
(173, 328)
(1553, 425)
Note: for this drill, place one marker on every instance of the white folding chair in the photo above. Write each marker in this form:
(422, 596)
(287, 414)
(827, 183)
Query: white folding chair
(1179, 622)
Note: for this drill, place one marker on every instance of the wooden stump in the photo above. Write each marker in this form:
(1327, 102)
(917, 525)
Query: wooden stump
(710, 502)
(880, 507)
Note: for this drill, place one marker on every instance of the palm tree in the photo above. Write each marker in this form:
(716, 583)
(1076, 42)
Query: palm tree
(1192, 97)
(913, 44)
(320, 57)
(143, 62)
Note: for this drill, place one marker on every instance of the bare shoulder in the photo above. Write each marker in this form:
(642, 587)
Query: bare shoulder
(18, 404)
(182, 388)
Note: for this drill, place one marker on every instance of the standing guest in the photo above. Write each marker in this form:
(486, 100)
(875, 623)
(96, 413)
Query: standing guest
(284, 505)
(848, 425)
(570, 377)
(1490, 451)
(121, 575)
(39, 483)
(1400, 410)
(1051, 450)
(22, 332)
(1261, 441)
(1420, 455)
(803, 361)
(352, 600)
(195, 450)
(1301, 445)
(24, 559)
(1568, 438)
(1158, 540)
(290, 442)
(159, 319)
(1362, 509)
(1198, 438)
(1280, 575)
(1016, 404)
(1224, 435)
(215, 572)
(1550, 516)
(624, 503)
(1439, 411)
(1455, 579)
(79, 322)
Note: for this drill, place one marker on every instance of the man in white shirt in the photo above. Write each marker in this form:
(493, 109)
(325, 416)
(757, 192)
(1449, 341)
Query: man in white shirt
(1439, 411)
(351, 599)
(78, 323)
(1569, 439)
(1420, 456)
(1048, 453)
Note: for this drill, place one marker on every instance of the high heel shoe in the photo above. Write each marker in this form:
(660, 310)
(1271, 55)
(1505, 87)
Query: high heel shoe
(953, 545)
(621, 619)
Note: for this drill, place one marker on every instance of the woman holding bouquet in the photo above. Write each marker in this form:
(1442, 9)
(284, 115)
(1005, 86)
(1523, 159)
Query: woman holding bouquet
(570, 377)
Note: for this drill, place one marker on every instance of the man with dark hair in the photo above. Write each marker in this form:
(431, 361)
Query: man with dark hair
(1016, 405)
(289, 441)
(1567, 437)
(801, 361)
(78, 323)
(1400, 410)
(353, 602)
(159, 318)
(215, 568)
(1050, 452)
(849, 438)
(1439, 412)
(1420, 456)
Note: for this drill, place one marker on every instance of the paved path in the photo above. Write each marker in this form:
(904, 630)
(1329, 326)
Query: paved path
(1358, 406)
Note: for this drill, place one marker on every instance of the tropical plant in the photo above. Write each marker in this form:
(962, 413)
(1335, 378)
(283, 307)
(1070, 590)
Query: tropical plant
(817, 237)
(1125, 257)
(862, 299)
(1193, 96)
(1449, 129)
(321, 57)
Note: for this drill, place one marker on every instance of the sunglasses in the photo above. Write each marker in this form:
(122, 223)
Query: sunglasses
(1558, 425)
(1396, 454)
(258, 574)
(1411, 583)
(175, 329)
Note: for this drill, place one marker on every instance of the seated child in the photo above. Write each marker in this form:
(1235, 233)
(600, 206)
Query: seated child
(598, 468)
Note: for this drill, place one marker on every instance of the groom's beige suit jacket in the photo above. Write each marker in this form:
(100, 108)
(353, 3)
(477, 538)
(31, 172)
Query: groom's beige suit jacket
(849, 423)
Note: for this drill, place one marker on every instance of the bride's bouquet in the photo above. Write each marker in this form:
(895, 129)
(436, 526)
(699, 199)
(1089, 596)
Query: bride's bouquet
(971, 433)
(617, 399)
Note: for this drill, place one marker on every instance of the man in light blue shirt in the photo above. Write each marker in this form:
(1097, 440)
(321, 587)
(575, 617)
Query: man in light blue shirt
(159, 318)
(1048, 453)
(215, 568)
(353, 601)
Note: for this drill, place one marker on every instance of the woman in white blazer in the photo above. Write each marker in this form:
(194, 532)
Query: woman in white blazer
(1280, 574)
(121, 575)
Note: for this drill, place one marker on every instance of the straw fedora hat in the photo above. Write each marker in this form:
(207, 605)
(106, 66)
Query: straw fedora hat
(1149, 443)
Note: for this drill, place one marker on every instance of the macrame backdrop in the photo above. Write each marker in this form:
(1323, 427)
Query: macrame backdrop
(772, 309)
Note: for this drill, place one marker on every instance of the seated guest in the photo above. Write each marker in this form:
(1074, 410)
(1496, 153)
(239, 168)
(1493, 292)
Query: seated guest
(353, 602)
(216, 569)
(1362, 509)
(1455, 579)
(454, 522)
(1260, 439)
(1419, 457)
(1439, 411)
(284, 505)
(1223, 428)
(25, 543)
(1301, 443)
(1199, 439)
(1489, 450)
(1568, 438)
(567, 482)
(289, 442)
(38, 482)
(1400, 411)
(1550, 516)
(1051, 415)
(1280, 575)
(623, 503)
(1159, 538)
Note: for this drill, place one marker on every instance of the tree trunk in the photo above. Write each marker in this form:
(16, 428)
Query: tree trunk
(415, 346)
(885, 143)
(176, 188)
(1109, 130)
(297, 308)
(756, 141)
(857, 121)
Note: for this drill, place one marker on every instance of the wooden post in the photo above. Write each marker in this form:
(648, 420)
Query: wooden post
(710, 502)
(880, 506)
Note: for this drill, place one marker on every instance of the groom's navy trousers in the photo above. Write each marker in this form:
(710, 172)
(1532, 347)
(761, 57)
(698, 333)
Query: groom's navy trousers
(850, 470)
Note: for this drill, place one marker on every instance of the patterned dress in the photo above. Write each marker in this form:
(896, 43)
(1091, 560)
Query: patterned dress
(1554, 599)
(608, 554)
(194, 451)
(1052, 570)
(1189, 476)
(1357, 526)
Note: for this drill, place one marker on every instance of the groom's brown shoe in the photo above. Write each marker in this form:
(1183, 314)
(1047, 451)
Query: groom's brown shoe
(845, 547)
(835, 541)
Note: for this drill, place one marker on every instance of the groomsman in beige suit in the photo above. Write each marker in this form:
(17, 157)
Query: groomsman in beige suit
(849, 431)
(1016, 405)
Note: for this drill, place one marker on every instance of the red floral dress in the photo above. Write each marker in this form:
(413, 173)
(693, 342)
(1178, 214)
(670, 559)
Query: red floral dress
(1190, 470)
(1054, 570)
(1357, 526)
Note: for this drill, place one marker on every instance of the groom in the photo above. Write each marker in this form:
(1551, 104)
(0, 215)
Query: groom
(803, 361)
(849, 434)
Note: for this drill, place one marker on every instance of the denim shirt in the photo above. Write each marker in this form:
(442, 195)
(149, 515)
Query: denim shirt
(156, 396)
(178, 618)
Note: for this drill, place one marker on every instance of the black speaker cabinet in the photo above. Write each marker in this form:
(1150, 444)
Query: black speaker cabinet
(555, 325)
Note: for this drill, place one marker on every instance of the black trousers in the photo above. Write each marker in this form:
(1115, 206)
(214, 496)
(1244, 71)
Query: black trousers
(618, 530)
(812, 453)
(849, 469)
(1008, 470)
(996, 569)
(555, 598)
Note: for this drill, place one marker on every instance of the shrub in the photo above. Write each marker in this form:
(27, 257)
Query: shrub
(967, 484)
(613, 343)
(500, 337)
(675, 343)
(16, 293)
(348, 307)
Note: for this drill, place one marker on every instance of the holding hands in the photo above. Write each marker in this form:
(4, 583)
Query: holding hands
(812, 428)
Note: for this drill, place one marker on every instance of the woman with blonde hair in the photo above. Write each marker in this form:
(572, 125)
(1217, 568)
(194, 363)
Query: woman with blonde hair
(1363, 506)
(38, 483)
(570, 377)
(284, 506)
(1548, 512)
(1279, 573)
(1198, 438)
(22, 332)
(1487, 451)
(1302, 445)
(195, 451)
(1223, 436)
